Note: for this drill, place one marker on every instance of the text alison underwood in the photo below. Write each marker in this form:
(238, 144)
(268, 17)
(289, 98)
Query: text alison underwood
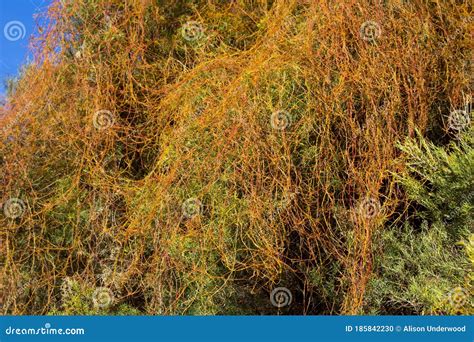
(433, 328)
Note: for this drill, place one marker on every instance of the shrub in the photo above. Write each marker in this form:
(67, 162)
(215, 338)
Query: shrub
(192, 156)
(422, 269)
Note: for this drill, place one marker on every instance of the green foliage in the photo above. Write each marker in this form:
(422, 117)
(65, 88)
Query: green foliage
(273, 123)
(441, 181)
(79, 298)
(422, 269)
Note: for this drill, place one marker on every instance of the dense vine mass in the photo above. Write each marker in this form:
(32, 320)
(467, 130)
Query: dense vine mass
(241, 157)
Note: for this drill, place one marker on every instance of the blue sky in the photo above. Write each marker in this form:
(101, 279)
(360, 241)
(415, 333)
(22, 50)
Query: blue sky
(16, 27)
